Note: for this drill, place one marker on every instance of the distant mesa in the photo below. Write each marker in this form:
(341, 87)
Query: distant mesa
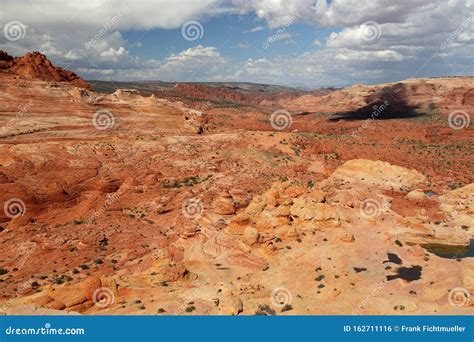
(37, 66)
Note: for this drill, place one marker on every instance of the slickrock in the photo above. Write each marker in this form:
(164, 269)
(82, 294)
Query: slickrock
(458, 204)
(170, 206)
(379, 174)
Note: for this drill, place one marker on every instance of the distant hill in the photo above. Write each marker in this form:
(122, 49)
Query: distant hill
(153, 86)
(243, 93)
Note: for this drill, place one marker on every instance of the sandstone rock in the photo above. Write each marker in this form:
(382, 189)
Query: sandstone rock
(282, 210)
(415, 195)
(347, 237)
(317, 195)
(458, 205)
(42, 301)
(294, 191)
(194, 121)
(80, 307)
(308, 210)
(251, 236)
(468, 279)
(55, 305)
(292, 233)
(89, 285)
(240, 197)
(111, 283)
(379, 174)
(37, 66)
(69, 296)
(224, 205)
(231, 305)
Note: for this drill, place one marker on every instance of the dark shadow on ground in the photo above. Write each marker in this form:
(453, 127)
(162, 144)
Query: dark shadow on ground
(388, 103)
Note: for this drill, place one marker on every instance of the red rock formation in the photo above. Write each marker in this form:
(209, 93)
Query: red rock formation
(37, 66)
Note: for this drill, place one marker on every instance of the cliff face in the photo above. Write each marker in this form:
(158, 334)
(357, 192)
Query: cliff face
(37, 66)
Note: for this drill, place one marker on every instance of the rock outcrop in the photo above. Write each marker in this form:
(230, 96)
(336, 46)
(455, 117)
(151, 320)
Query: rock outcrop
(37, 66)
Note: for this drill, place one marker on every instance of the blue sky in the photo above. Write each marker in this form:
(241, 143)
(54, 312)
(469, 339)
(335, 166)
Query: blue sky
(308, 43)
(231, 34)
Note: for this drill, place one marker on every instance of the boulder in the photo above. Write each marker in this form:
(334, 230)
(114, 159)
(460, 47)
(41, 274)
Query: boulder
(231, 305)
(415, 195)
(69, 296)
(89, 285)
(251, 236)
(224, 205)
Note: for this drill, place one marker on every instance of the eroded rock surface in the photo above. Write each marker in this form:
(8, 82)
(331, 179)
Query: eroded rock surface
(157, 207)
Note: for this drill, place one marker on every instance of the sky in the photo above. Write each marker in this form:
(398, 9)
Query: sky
(303, 43)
